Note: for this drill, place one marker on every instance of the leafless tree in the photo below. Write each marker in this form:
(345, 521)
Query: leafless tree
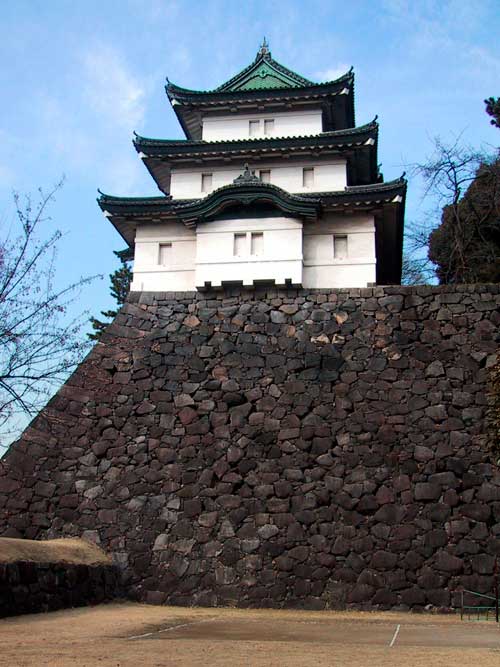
(464, 186)
(38, 345)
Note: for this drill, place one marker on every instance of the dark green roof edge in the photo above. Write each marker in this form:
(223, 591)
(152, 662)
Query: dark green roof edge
(192, 211)
(246, 194)
(183, 94)
(274, 64)
(126, 255)
(142, 142)
(352, 190)
(115, 199)
(398, 185)
(174, 91)
(262, 58)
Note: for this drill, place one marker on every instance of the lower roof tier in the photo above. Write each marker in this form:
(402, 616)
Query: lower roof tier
(386, 201)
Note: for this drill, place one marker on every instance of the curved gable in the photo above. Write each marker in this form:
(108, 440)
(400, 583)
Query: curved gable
(247, 190)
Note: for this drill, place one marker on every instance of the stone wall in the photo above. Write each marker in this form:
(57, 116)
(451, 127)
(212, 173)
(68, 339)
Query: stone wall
(276, 448)
(26, 588)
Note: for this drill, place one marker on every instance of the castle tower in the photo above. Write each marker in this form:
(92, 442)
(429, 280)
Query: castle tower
(274, 184)
(273, 447)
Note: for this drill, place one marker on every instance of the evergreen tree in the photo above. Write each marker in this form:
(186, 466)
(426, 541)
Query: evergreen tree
(465, 247)
(120, 286)
(493, 110)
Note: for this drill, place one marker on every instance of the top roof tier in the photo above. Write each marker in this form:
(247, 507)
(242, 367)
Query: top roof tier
(265, 85)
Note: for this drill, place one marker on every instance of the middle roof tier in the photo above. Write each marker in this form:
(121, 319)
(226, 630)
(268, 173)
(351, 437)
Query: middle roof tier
(356, 147)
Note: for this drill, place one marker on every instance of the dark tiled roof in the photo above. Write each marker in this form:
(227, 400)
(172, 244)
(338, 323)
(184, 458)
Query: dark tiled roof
(145, 205)
(263, 74)
(200, 97)
(164, 147)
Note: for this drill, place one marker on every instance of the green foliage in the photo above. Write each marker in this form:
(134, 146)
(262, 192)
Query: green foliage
(493, 110)
(466, 246)
(119, 289)
(465, 185)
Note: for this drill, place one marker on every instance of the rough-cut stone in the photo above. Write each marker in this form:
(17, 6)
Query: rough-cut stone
(28, 588)
(427, 491)
(384, 560)
(276, 447)
(435, 369)
(267, 531)
(448, 563)
(182, 400)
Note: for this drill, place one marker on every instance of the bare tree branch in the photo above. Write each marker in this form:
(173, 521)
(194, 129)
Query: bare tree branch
(464, 185)
(38, 345)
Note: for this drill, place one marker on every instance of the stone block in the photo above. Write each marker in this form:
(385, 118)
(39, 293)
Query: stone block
(268, 531)
(384, 560)
(476, 511)
(251, 445)
(446, 562)
(427, 491)
(45, 489)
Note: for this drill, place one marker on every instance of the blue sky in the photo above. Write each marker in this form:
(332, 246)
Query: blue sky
(79, 76)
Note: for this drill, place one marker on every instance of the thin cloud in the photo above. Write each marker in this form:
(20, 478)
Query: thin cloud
(124, 171)
(483, 64)
(7, 173)
(442, 25)
(69, 140)
(110, 89)
(332, 73)
(112, 101)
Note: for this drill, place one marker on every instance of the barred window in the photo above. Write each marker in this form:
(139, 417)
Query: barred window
(340, 246)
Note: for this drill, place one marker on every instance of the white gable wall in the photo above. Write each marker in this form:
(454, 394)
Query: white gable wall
(280, 258)
(292, 251)
(322, 269)
(289, 124)
(149, 274)
(187, 183)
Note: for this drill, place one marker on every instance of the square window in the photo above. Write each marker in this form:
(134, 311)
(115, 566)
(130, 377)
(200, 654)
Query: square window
(269, 126)
(265, 175)
(165, 254)
(239, 245)
(257, 244)
(254, 127)
(340, 246)
(307, 177)
(206, 182)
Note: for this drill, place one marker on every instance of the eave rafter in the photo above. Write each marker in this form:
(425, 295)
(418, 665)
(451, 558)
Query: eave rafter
(161, 208)
(291, 85)
(365, 135)
(159, 155)
(246, 190)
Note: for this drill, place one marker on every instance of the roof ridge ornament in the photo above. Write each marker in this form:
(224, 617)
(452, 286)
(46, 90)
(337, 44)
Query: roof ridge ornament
(264, 51)
(248, 176)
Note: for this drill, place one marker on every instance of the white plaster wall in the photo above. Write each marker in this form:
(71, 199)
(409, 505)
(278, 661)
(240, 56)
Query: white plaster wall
(291, 124)
(281, 259)
(322, 269)
(149, 274)
(186, 183)
(339, 275)
(302, 254)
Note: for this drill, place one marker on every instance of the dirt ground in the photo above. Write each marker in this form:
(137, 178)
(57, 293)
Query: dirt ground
(126, 635)
(70, 550)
